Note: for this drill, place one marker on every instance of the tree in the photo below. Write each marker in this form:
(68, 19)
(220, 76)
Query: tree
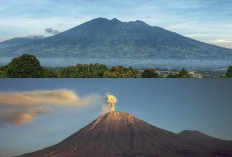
(3, 71)
(184, 74)
(84, 71)
(69, 72)
(121, 72)
(91, 70)
(149, 73)
(2, 74)
(229, 72)
(25, 66)
(48, 73)
(172, 75)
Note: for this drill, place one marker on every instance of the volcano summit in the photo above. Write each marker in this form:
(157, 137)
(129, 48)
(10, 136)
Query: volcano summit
(119, 134)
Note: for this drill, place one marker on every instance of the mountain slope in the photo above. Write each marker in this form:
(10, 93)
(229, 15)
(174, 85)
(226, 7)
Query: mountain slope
(19, 41)
(118, 134)
(103, 38)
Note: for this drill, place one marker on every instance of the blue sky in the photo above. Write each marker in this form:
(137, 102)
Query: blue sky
(171, 104)
(205, 20)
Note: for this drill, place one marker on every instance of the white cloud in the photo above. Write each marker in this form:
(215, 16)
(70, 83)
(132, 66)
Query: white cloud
(222, 41)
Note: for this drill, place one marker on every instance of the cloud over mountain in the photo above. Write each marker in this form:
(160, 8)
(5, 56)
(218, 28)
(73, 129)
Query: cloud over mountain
(51, 31)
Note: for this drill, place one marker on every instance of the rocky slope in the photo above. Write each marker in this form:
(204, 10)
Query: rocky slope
(118, 134)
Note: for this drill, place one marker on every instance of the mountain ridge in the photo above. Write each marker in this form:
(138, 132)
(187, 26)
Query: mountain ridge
(103, 38)
(18, 41)
(123, 135)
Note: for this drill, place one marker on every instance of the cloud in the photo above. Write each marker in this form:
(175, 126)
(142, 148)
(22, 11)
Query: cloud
(51, 31)
(19, 108)
(222, 41)
(197, 35)
(60, 97)
(22, 116)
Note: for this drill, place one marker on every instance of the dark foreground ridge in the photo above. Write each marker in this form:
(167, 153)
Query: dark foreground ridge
(119, 134)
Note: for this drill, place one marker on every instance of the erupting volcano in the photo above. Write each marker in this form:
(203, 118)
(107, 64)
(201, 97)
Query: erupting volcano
(119, 134)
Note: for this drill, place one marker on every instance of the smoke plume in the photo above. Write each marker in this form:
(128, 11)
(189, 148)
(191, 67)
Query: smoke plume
(111, 100)
(19, 108)
(22, 116)
(60, 97)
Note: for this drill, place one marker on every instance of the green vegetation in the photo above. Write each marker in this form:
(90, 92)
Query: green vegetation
(48, 73)
(2, 71)
(84, 71)
(172, 75)
(25, 66)
(149, 73)
(121, 72)
(183, 74)
(228, 74)
(28, 66)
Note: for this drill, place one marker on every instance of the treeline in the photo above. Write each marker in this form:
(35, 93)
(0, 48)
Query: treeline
(28, 66)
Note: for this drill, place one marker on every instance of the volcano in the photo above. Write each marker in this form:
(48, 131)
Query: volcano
(103, 38)
(119, 134)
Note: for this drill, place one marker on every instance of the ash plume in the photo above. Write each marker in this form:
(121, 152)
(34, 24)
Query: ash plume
(19, 108)
(22, 116)
(111, 100)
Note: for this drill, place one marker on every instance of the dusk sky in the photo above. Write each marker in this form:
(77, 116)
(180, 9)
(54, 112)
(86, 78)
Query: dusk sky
(53, 109)
(205, 20)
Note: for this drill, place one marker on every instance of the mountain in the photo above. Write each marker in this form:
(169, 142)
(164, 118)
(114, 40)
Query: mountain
(103, 38)
(119, 134)
(19, 41)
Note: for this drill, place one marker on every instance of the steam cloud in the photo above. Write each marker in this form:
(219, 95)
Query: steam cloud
(111, 100)
(19, 108)
(51, 31)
